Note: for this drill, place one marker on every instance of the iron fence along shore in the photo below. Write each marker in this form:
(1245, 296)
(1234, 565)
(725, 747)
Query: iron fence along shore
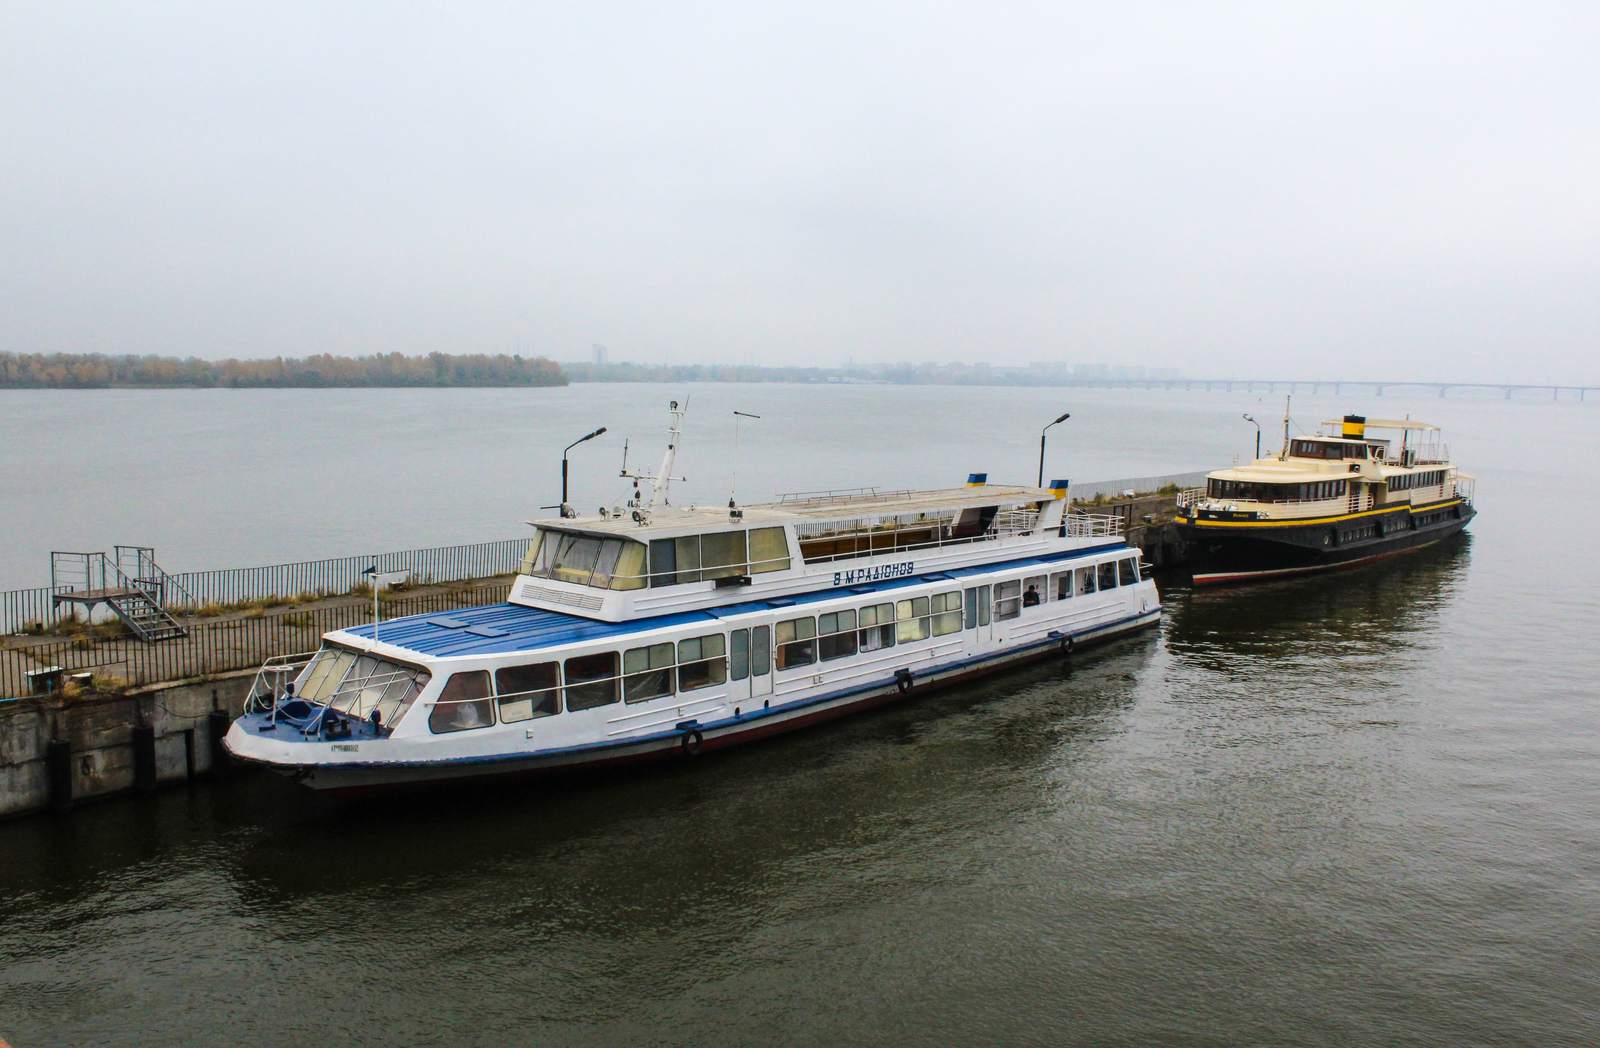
(21, 609)
(234, 643)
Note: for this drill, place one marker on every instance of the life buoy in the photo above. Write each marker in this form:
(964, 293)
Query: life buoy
(691, 742)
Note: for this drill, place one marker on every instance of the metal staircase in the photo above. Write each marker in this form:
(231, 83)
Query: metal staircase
(130, 583)
(144, 618)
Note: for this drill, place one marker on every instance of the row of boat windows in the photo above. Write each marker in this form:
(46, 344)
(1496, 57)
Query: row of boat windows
(1407, 481)
(621, 564)
(358, 684)
(1255, 491)
(636, 675)
(1327, 449)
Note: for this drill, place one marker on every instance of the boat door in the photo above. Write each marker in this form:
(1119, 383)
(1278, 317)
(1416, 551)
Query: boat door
(750, 665)
(976, 620)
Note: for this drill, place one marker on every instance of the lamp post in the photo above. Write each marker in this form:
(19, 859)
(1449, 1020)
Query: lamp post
(1252, 420)
(566, 510)
(1064, 416)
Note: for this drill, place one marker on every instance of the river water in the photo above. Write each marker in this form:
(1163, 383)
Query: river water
(1355, 809)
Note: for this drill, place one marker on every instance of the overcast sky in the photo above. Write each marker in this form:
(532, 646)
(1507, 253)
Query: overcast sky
(1287, 189)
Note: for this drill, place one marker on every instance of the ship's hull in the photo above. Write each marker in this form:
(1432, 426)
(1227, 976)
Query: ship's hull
(353, 779)
(1232, 551)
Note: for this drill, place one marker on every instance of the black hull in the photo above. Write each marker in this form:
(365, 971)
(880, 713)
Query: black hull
(1220, 554)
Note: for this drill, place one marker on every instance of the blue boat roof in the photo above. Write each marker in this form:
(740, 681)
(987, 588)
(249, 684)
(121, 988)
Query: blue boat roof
(496, 629)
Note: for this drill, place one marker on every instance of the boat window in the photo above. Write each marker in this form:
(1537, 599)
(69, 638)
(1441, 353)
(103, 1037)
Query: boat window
(911, 620)
(1319, 449)
(702, 662)
(983, 605)
(797, 643)
(1032, 591)
(629, 573)
(586, 560)
(463, 704)
(1085, 580)
(674, 561)
(769, 550)
(760, 651)
(687, 550)
(946, 608)
(1061, 585)
(531, 559)
(526, 692)
(647, 672)
(575, 558)
(405, 684)
(1127, 571)
(591, 680)
(606, 563)
(722, 555)
(364, 686)
(1252, 491)
(1108, 575)
(1007, 600)
(971, 620)
(325, 674)
(663, 563)
(359, 684)
(836, 634)
(877, 627)
(739, 654)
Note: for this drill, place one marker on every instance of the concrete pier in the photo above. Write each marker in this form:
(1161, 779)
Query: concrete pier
(58, 753)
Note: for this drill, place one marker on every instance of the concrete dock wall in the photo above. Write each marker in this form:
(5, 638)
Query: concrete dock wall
(58, 752)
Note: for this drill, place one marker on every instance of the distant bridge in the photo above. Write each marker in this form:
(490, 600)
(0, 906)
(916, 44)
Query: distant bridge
(1338, 387)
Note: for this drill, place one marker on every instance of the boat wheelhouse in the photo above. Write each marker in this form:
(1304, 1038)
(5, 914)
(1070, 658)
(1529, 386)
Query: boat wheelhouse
(651, 631)
(1338, 498)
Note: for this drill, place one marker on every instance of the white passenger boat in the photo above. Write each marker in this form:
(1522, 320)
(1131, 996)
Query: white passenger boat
(657, 631)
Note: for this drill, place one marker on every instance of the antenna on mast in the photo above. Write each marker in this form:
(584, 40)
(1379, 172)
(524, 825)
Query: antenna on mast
(734, 513)
(1285, 452)
(661, 480)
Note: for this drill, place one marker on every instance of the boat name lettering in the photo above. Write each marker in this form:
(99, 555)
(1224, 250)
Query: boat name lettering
(874, 574)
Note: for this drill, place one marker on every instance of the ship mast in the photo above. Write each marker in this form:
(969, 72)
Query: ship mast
(661, 480)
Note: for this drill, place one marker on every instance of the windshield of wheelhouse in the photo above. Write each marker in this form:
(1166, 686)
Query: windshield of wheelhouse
(586, 560)
(357, 683)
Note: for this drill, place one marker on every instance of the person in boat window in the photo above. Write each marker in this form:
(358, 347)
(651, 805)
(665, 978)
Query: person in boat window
(1030, 598)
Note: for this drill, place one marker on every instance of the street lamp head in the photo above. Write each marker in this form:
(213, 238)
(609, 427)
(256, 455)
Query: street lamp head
(1064, 416)
(1249, 418)
(596, 433)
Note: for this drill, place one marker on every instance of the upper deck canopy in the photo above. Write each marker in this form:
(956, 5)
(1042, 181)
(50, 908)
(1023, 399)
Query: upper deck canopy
(808, 508)
(1383, 423)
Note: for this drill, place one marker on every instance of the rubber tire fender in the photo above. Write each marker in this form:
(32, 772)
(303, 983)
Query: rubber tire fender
(692, 739)
(902, 680)
(1067, 645)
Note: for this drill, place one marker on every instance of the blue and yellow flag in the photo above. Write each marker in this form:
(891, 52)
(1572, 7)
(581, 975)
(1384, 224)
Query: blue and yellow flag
(977, 480)
(1058, 488)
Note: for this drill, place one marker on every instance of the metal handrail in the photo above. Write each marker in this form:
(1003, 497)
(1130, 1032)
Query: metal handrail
(277, 666)
(1093, 525)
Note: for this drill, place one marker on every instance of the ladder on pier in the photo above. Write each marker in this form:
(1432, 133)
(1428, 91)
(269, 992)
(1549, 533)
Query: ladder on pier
(144, 618)
(130, 583)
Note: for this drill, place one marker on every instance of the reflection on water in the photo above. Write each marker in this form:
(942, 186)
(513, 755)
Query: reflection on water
(1377, 609)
